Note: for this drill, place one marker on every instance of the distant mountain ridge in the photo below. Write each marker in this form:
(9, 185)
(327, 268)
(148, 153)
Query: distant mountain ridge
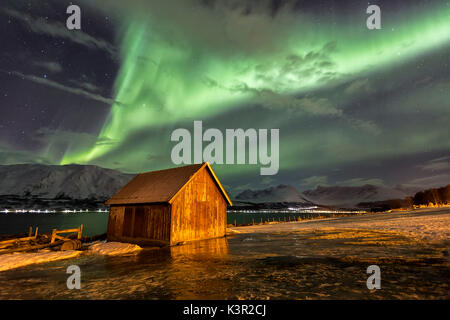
(80, 182)
(55, 181)
(336, 196)
(280, 193)
(346, 196)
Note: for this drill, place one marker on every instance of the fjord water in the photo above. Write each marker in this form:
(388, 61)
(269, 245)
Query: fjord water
(95, 223)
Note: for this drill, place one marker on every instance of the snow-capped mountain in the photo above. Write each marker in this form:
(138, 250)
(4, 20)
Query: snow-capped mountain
(341, 196)
(54, 181)
(280, 193)
(336, 196)
(92, 182)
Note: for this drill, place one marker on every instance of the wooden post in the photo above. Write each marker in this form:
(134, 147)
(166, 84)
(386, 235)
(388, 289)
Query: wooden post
(35, 233)
(30, 231)
(80, 232)
(235, 222)
(53, 235)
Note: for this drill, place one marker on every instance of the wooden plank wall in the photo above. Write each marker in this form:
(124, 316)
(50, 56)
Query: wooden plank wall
(157, 222)
(115, 222)
(198, 211)
(139, 221)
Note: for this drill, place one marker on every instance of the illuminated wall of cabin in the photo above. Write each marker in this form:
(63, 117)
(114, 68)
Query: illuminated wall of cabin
(199, 210)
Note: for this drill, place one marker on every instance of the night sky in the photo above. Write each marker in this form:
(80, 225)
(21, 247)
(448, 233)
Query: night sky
(353, 105)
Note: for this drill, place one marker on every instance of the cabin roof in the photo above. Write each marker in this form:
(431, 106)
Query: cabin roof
(162, 185)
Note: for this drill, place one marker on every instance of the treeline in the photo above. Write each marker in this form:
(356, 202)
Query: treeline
(429, 197)
(433, 196)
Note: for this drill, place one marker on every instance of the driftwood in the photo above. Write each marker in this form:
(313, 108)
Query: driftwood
(31, 247)
(55, 232)
(17, 241)
(42, 241)
(71, 245)
(7, 243)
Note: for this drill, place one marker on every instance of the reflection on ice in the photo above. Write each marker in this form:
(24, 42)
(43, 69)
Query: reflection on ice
(291, 265)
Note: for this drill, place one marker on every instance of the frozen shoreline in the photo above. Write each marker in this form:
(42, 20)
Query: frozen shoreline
(315, 259)
(423, 224)
(17, 260)
(21, 259)
(431, 225)
(114, 248)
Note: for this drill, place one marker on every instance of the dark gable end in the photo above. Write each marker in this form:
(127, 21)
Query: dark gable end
(161, 186)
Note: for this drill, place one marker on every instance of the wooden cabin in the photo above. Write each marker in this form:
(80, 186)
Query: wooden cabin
(169, 206)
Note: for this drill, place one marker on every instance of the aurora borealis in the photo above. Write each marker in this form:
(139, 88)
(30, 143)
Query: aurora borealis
(353, 105)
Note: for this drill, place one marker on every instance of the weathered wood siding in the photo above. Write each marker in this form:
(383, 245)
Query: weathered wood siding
(198, 211)
(138, 223)
(115, 221)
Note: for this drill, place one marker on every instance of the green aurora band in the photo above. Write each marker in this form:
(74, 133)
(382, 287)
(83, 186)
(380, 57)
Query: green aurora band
(162, 81)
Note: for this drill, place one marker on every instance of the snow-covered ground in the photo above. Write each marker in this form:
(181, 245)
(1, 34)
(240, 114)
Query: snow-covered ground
(114, 248)
(16, 260)
(424, 224)
(21, 259)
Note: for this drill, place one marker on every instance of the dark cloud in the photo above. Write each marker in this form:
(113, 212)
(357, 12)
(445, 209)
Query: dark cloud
(314, 181)
(433, 181)
(58, 29)
(11, 156)
(62, 136)
(54, 84)
(51, 66)
(224, 27)
(360, 86)
(439, 164)
(355, 182)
